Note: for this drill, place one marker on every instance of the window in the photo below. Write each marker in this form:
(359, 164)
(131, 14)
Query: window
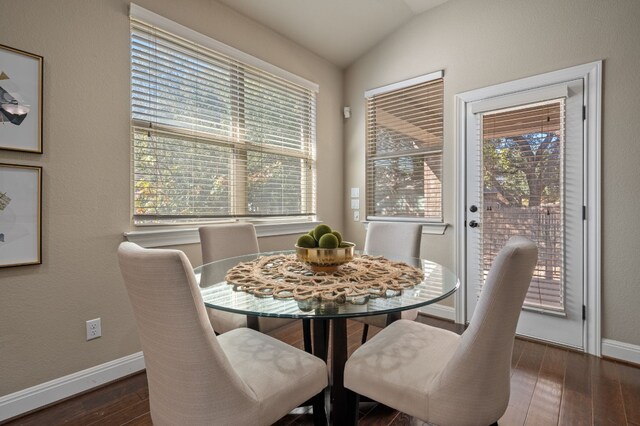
(404, 150)
(214, 136)
(522, 191)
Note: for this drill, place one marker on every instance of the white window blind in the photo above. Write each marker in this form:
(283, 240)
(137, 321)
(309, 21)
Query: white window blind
(404, 150)
(523, 192)
(214, 136)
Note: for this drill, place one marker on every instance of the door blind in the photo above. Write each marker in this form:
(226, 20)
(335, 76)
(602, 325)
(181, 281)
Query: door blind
(214, 137)
(404, 152)
(522, 192)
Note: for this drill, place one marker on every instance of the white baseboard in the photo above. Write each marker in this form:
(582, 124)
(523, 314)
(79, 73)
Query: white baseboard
(440, 311)
(620, 350)
(29, 399)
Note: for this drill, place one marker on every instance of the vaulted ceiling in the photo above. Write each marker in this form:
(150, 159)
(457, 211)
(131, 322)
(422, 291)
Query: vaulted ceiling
(337, 30)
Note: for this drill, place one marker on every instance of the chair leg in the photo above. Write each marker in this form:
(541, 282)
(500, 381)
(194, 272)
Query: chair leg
(319, 411)
(353, 407)
(365, 331)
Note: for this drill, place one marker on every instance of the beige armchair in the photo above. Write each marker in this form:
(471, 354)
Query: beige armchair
(440, 377)
(231, 240)
(242, 377)
(394, 240)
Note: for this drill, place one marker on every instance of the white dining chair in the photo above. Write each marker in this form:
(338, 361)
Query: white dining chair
(230, 240)
(438, 376)
(393, 240)
(242, 377)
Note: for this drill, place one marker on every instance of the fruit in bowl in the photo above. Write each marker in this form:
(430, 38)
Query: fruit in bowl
(323, 249)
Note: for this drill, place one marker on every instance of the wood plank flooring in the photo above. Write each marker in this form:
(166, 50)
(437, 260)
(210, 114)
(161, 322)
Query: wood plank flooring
(549, 386)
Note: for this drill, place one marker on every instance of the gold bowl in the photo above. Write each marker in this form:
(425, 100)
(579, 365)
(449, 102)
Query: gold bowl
(326, 260)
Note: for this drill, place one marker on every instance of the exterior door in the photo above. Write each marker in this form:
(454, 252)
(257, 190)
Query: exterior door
(525, 176)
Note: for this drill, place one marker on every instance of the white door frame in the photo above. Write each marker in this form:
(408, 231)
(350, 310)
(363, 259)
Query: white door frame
(592, 75)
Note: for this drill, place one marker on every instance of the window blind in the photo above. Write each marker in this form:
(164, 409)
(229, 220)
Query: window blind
(215, 137)
(523, 194)
(404, 152)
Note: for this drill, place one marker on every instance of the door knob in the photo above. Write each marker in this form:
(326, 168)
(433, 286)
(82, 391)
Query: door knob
(473, 208)
(473, 224)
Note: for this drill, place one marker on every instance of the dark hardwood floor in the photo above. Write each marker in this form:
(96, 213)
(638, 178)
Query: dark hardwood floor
(549, 386)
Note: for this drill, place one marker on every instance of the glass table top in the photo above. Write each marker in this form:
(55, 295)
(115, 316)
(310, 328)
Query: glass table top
(437, 284)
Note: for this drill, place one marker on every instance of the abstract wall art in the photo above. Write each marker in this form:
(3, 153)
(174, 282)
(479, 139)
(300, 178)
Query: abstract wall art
(20, 100)
(20, 215)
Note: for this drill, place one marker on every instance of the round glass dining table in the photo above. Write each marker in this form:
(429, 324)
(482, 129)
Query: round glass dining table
(437, 283)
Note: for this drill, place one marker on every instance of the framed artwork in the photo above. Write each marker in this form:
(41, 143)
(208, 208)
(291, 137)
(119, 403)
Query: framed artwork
(20, 215)
(20, 100)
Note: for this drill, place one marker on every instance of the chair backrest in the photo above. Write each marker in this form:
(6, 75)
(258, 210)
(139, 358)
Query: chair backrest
(227, 240)
(190, 378)
(393, 239)
(478, 375)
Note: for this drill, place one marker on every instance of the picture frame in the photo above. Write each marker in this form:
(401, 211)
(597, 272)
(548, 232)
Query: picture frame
(20, 100)
(20, 215)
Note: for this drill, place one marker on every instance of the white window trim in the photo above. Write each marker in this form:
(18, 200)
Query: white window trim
(592, 75)
(179, 236)
(428, 228)
(142, 14)
(403, 84)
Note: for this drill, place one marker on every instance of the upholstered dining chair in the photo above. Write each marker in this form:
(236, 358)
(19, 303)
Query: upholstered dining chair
(392, 239)
(438, 376)
(242, 377)
(231, 240)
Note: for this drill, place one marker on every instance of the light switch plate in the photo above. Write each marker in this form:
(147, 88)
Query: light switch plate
(355, 192)
(356, 215)
(355, 203)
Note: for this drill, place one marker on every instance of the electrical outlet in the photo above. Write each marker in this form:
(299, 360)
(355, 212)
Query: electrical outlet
(356, 215)
(94, 329)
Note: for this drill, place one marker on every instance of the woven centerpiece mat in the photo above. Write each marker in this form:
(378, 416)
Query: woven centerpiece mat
(283, 276)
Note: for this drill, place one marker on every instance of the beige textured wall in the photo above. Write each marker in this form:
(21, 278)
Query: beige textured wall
(481, 43)
(43, 309)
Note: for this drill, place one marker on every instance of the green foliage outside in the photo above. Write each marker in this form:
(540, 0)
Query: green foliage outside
(523, 170)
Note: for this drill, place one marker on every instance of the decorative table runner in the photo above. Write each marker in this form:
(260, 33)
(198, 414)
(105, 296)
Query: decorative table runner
(283, 276)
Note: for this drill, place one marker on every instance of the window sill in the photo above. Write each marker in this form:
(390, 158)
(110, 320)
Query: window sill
(427, 228)
(178, 236)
